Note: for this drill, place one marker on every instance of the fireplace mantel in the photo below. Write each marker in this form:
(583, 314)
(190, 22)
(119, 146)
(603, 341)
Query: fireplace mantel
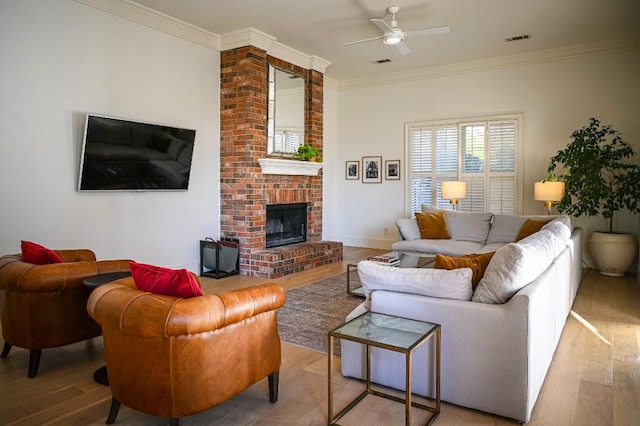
(277, 166)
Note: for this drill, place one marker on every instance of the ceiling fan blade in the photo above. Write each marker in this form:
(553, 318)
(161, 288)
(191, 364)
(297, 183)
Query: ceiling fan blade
(403, 48)
(380, 23)
(362, 41)
(428, 31)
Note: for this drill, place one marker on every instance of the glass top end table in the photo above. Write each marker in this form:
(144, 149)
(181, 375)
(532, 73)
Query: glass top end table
(392, 333)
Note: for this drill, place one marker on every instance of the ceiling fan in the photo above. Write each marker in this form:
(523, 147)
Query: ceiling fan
(394, 36)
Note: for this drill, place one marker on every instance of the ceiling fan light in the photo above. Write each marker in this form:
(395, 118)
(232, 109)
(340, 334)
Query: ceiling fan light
(392, 39)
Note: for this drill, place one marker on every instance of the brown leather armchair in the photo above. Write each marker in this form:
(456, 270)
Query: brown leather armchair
(45, 306)
(174, 357)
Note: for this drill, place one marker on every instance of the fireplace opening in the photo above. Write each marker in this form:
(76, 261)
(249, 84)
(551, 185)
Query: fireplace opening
(286, 224)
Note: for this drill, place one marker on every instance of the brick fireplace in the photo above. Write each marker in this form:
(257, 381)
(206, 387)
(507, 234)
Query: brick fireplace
(244, 190)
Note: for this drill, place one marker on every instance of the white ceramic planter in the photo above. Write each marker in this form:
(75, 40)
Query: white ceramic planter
(612, 253)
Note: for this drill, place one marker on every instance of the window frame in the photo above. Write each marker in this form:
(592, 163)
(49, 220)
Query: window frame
(518, 118)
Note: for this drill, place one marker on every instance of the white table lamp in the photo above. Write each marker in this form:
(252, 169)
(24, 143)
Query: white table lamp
(454, 191)
(549, 192)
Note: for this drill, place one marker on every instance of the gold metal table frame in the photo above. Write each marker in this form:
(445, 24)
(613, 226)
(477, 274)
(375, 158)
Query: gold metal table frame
(395, 334)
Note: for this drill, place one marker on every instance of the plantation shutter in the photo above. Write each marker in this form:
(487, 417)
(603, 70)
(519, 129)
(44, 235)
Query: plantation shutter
(446, 162)
(502, 167)
(473, 159)
(482, 154)
(421, 163)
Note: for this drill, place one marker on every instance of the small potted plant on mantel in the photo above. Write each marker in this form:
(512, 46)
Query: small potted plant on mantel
(308, 153)
(599, 181)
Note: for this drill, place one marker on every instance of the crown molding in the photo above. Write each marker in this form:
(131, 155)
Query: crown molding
(159, 21)
(140, 14)
(268, 43)
(557, 54)
(246, 37)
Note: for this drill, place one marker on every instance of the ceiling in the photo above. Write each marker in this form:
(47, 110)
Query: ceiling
(478, 28)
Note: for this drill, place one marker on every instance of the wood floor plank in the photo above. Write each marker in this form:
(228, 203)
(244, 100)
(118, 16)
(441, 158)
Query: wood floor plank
(594, 378)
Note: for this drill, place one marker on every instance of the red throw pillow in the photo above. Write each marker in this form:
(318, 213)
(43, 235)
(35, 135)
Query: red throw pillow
(170, 282)
(39, 255)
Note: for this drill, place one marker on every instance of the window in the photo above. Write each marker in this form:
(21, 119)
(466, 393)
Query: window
(287, 141)
(483, 153)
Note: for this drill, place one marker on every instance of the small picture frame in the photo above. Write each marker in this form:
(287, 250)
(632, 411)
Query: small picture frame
(392, 169)
(372, 169)
(352, 170)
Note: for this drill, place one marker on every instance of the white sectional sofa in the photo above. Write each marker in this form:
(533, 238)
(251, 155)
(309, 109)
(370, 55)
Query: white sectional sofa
(497, 341)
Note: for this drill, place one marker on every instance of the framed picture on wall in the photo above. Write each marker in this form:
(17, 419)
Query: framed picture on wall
(371, 169)
(392, 170)
(352, 170)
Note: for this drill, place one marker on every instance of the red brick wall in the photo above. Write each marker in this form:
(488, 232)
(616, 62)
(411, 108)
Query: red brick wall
(245, 191)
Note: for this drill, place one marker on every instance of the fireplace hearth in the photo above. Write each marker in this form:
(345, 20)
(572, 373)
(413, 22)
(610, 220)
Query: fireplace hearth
(286, 224)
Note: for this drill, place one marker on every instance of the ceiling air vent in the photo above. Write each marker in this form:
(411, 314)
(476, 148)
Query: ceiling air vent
(518, 38)
(382, 61)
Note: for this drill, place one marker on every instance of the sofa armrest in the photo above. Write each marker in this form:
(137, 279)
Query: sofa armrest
(21, 276)
(77, 255)
(136, 312)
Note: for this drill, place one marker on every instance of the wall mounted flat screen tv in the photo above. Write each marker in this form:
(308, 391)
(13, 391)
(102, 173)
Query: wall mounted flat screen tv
(122, 155)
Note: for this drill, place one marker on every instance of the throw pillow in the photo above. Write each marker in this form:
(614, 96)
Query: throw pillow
(530, 226)
(476, 262)
(39, 255)
(433, 226)
(170, 282)
(454, 284)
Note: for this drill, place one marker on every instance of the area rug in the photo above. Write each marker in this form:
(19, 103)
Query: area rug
(312, 310)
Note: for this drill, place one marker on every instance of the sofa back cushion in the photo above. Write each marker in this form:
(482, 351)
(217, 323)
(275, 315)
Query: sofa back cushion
(442, 283)
(465, 226)
(517, 264)
(505, 227)
(408, 229)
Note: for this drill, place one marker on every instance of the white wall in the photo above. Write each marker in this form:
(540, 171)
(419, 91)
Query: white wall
(555, 97)
(63, 59)
(333, 168)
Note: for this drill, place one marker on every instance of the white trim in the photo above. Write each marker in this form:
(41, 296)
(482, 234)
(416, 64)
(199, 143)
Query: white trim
(570, 52)
(274, 166)
(151, 18)
(246, 37)
(268, 43)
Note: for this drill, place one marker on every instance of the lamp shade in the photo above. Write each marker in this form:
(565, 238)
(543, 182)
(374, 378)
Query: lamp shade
(548, 191)
(454, 190)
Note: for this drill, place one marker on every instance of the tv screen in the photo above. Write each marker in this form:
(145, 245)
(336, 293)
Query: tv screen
(122, 155)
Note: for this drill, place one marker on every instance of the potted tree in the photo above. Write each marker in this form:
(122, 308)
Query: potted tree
(599, 181)
(308, 153)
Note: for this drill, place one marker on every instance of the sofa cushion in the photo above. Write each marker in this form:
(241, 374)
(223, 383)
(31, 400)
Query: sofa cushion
(170, 282)
(38, 255)
(433, 226)
(448, 247)
(505, 227)
(530, 226)
(476, 262)
(517, 264)
(408, 228)
(465, 226)
(442, 283)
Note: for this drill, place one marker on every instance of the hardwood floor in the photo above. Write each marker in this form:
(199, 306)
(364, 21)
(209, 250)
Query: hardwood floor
(594, 378)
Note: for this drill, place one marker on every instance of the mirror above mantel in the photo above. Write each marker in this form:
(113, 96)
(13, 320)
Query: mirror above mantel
(285, 116)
